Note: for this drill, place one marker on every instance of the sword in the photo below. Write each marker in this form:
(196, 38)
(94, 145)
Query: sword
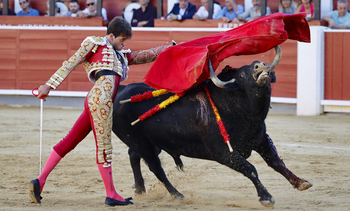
(41, 124)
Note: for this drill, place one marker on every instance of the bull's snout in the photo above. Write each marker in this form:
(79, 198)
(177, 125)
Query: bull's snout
(261, 71)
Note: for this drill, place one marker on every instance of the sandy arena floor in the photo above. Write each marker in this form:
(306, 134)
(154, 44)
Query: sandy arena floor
(316, 148)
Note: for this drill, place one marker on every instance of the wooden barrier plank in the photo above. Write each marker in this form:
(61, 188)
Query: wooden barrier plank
(45, 65)
(8, 54)
(82, 34)
(8, 43)
(80, 86)
(337, 73)
(142, 45)
(33, 75)
(8, 74)
(346, 66)
(328, 82)
(8, 84)
(7, 64)
(181, 36)
(43, 34)
(46, 54)
(162, 36)
(79, 75)
(41, 44)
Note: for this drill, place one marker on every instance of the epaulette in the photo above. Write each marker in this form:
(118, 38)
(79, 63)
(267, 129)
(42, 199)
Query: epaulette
(95, 40)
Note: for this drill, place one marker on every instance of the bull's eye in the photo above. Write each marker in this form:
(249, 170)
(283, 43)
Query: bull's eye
(242, 75)
(256, 66)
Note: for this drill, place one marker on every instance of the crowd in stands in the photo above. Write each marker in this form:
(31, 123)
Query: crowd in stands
(229, 12)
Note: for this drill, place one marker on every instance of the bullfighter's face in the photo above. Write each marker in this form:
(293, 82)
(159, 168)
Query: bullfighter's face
(183, 3)
(118, 42)
(342, 9)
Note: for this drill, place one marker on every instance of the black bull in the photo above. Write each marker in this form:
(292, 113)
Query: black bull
(188, 127)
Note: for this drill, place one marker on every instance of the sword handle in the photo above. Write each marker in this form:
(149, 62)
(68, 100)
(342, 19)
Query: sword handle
(36, 95)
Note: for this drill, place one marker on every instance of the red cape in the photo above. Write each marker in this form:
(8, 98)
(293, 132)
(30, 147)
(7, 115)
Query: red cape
(186, 65)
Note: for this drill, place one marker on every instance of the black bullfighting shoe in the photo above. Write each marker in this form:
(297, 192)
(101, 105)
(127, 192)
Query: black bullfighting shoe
(34, 191)
(112, 202)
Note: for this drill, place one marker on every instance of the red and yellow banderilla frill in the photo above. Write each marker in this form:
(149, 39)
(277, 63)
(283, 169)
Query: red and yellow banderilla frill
(221, 125)
(159, 107)
(145, 96)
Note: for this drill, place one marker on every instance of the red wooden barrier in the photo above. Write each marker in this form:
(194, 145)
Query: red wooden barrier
(29, 57)
(337, 66)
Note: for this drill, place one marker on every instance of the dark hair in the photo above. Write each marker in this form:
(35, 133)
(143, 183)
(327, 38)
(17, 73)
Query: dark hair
(74, 1)
(119, 26)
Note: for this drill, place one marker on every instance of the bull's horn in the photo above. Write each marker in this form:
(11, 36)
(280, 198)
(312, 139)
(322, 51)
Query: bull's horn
(216, 80)
(277, 58)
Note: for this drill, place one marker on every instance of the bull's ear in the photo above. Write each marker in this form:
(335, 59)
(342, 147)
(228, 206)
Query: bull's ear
(273, 77)
(232, 86)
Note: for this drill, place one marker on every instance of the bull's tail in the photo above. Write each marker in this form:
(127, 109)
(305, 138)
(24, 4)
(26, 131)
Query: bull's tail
(178, 162)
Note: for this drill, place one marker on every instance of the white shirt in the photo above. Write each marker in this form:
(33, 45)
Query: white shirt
(181, 12)
(103, 11)
(203, 13)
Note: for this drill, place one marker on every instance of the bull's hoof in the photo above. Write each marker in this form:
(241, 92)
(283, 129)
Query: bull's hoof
(304, 186)
(178, 196)
(139, 190)
(267, 203)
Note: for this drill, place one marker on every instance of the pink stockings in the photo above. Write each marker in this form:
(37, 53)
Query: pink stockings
(107, 177)
(80, 130)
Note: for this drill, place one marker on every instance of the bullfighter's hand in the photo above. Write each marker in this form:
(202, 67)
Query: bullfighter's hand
(43, 91)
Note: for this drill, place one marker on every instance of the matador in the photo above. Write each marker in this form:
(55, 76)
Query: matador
(106, 64)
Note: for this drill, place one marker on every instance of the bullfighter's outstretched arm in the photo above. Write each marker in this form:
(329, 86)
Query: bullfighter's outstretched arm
(87, 47)
(146, 56)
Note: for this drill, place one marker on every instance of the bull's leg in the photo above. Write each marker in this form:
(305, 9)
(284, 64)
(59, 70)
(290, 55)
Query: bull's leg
(154, 165)
(268, 152)
(238, 163)
(135, 160)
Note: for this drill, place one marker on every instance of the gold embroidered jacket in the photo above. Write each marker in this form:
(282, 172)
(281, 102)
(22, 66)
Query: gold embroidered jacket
(96, 53)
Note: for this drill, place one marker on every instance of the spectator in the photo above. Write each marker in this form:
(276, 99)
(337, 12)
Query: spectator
(306, 6)
(340, 18)
(26, 9)
(287, 6)
(90, 11)
(254, 12)
(231, 11)
(73, 9)
(182, 10)
(145, 15)
(202, 13)
(9, 12)
(57, 9)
